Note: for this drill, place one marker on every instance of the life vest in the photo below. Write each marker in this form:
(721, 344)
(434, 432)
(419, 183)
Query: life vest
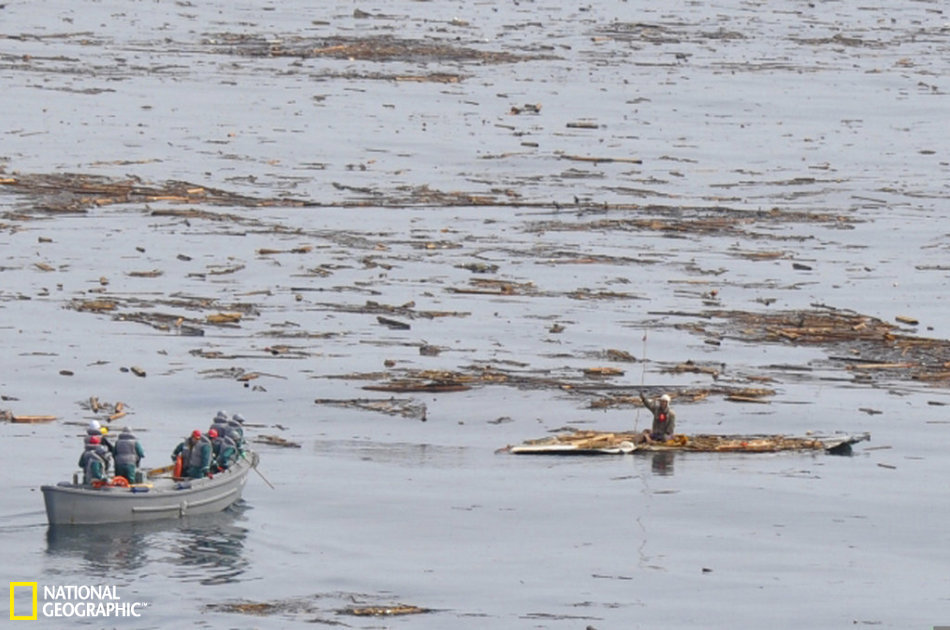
(200, 454)
(125, 451)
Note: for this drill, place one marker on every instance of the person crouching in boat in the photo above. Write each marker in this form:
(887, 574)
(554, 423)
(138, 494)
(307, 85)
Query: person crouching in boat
(195, 453)
(224, 450)
(93, 461)
(128, 454)
(664, 418)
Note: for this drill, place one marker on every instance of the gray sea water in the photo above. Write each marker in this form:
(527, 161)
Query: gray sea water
(617, 162)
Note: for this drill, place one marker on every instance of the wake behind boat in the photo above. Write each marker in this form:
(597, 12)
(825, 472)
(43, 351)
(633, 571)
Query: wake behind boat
(161, 496)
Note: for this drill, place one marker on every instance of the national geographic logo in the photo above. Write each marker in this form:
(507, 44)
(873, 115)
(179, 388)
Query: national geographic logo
(22, 587)
(84, 601)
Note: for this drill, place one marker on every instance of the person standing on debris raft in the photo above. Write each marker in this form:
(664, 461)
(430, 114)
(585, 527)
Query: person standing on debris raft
(664, 418)
(128, 454)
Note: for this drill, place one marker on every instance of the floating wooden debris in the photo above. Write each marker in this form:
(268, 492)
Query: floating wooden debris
(248, 608)
(620, 355)
(392, 323)
(72, 192)
(96, 305)
(26, 419)
(154, 273)
(275, 440)
(406, 407)
(603, 371)
(384, 611)
(620, 442)
(599, 160)
(304, 249)
(904, 319)
(224, 318)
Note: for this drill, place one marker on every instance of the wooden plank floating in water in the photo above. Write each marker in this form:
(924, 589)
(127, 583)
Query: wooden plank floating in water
(18, 419)
(614, 443)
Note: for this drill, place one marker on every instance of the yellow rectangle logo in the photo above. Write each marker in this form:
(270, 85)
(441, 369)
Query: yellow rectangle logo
(35, 608)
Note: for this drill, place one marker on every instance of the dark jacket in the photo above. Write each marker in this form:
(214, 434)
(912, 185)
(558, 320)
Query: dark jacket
(128, 450)
(225, 452)
(199, 457)
(94, 467)
(664, 420)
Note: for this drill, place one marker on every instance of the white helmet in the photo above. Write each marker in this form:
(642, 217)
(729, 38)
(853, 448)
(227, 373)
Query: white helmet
(666, 398)
(94, 425)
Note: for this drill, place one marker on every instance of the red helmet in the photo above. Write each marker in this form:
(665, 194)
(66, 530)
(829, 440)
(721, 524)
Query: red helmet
(94, 439)
(213, 433)
(196, 434)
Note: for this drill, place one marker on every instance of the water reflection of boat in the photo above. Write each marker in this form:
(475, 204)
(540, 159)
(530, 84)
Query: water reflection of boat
(163, 497)
(618, 443)
(207, 549)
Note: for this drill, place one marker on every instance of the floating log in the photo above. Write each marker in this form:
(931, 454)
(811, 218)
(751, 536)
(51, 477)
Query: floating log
(20, 419)
(614, 443)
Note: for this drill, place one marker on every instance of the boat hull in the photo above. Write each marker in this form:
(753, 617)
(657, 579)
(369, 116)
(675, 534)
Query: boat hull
(71, 504)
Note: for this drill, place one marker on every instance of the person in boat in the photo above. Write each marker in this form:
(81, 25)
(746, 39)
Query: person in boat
(220, 423)
(92, 461)
(198, 463)
(223, 449)
(236, 430)
(92, 445)
(664, 418)
(96, 429)
(128, 454)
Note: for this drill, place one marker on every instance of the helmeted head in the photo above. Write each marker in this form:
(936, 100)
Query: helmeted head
(196, 434)
(213, 433)
(221, 415)
(94, 425)
(238, 418)
(665, 399)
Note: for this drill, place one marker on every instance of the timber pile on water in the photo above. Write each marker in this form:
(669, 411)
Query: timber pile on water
(625, 442)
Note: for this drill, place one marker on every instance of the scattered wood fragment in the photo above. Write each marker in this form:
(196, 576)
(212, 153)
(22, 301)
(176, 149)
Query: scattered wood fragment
(275, 440)
(620, 356)
(27, 419)
(603, 371)
(384, 611)
(96, 305)
(406, 407)
(224, 318)
(304, 249)
(600, 160)
(392, 323)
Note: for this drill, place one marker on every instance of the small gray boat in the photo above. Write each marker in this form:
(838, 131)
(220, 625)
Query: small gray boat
(160, 497)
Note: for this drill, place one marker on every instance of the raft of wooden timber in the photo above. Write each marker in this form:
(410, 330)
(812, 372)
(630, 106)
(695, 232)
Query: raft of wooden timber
(615, 443)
